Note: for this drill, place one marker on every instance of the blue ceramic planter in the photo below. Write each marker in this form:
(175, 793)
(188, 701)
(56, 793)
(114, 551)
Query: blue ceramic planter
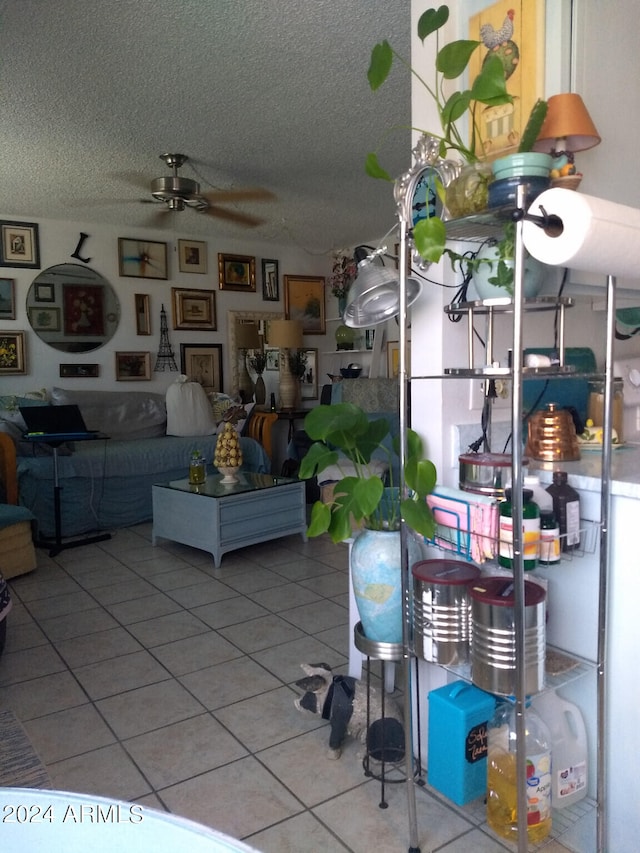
(377, 582)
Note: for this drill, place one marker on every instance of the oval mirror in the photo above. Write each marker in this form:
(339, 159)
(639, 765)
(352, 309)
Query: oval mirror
(73, 308)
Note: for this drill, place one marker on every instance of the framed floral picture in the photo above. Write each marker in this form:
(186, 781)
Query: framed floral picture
(237, 272)
(304, 301)
(12, 354)
(83, 309)
(20, 245)
(192, 256)
(194, 309)
(44, 319)
(133, 366)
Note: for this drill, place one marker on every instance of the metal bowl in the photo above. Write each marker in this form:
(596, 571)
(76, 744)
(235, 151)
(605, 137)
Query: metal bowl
(351, 372)
(485, 473)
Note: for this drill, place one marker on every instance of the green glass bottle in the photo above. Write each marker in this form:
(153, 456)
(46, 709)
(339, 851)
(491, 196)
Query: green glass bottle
(530, 531)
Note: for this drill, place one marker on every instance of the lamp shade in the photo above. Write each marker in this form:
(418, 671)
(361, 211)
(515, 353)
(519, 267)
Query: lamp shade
(375, 295)
(247, 336)
(285, 334)
(567, 118)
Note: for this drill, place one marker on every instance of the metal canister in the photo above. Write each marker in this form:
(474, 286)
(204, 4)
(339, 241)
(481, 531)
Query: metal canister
(493, 636)
(441, 610)
(595, 406)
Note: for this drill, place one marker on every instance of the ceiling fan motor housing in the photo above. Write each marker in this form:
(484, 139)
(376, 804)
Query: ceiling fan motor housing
(174, 187)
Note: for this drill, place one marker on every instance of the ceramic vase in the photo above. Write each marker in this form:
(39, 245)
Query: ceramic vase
(260, 391)
(377, 582)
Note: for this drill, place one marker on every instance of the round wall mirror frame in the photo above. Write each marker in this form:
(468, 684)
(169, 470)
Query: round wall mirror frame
(73, 308)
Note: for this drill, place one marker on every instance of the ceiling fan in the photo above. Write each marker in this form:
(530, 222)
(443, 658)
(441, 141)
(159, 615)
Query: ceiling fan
(177, 192)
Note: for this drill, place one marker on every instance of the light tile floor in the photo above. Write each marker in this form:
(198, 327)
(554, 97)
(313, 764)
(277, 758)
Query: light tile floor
(140, 673)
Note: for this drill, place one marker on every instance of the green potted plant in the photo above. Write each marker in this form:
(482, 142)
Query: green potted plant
(344, 437)
(492, 267)
(488, 89)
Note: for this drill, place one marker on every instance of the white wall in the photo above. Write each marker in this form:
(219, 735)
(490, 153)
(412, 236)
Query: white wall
(58, 239)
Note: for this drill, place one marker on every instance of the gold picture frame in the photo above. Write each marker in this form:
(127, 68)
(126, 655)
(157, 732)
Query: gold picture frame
(237, 272)
(304, 301)
(192, 256)
(142, 258)
(393, 358)
(12, 353)
(194, 309)
(133, 366)
(143, 313)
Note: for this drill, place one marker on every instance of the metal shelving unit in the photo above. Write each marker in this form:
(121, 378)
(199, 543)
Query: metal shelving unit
(473, 229)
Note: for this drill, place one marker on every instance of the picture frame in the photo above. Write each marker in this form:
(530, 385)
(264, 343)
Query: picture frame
(203, 363)
(304, 301)
(393, 358)
(309, 384)
(19, 245)
(143, 313)
(79, 371)
(7, 299)
(236, 272)
(12, 353)
(44, 319)
(273, 358)
(133, 366)
(83, 310)
(270, 280)
(44, 292)
(192, 256)
(194, 309)
(142, 258)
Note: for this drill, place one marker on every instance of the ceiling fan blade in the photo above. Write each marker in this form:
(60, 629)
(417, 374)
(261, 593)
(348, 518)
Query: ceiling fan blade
(246, 194)
(232, 216)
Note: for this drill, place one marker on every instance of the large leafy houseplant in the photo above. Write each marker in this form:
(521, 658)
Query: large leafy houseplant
(487, 89)
(343, 432)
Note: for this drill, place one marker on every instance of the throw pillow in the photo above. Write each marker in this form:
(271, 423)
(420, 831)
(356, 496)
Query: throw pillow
(188, 410)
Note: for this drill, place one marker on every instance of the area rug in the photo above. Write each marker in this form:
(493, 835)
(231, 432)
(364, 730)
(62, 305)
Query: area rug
(20, 765)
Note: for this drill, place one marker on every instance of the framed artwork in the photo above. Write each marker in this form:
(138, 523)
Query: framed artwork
(44, 292)
(203, 363)
(7, 299)
(393, 358)
(273, 358)
(83, 309)
(304, 301)
(237, 272)
(20, 245)
(270, 281)
(133, 366)
(12, 357)
(309, 384)
(79, 371)
(143, 315)
(192, 256)
(44, 319)
(501, 127)
(194, 309)
(142, 258)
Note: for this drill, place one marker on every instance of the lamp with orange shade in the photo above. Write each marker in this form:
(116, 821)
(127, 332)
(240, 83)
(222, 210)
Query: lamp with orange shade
(567, 128)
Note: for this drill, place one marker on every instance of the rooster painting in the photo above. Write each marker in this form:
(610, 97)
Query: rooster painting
(500, 43)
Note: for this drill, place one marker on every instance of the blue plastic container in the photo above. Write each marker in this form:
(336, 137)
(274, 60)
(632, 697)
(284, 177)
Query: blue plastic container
(457, 756)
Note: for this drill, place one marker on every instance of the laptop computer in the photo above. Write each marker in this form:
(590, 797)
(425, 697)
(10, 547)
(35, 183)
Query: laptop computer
(59, 423)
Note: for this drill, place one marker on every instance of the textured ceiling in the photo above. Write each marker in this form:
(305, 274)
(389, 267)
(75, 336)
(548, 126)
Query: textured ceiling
(269, 93)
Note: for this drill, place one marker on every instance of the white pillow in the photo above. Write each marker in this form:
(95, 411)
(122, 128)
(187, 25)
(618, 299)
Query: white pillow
(188, 410)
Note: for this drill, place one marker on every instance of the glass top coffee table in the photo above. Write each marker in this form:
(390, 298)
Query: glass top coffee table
(219, 517)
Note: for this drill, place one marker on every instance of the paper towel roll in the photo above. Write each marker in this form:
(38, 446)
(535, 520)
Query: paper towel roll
(594, 234)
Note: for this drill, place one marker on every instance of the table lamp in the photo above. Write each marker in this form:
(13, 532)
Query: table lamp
(567, 128)
(247, 338)
(286, 335)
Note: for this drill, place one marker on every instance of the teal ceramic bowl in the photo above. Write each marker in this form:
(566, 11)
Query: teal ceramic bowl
(530, 164)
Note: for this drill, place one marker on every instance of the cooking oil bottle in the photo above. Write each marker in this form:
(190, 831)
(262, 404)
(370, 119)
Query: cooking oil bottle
(502, 788)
